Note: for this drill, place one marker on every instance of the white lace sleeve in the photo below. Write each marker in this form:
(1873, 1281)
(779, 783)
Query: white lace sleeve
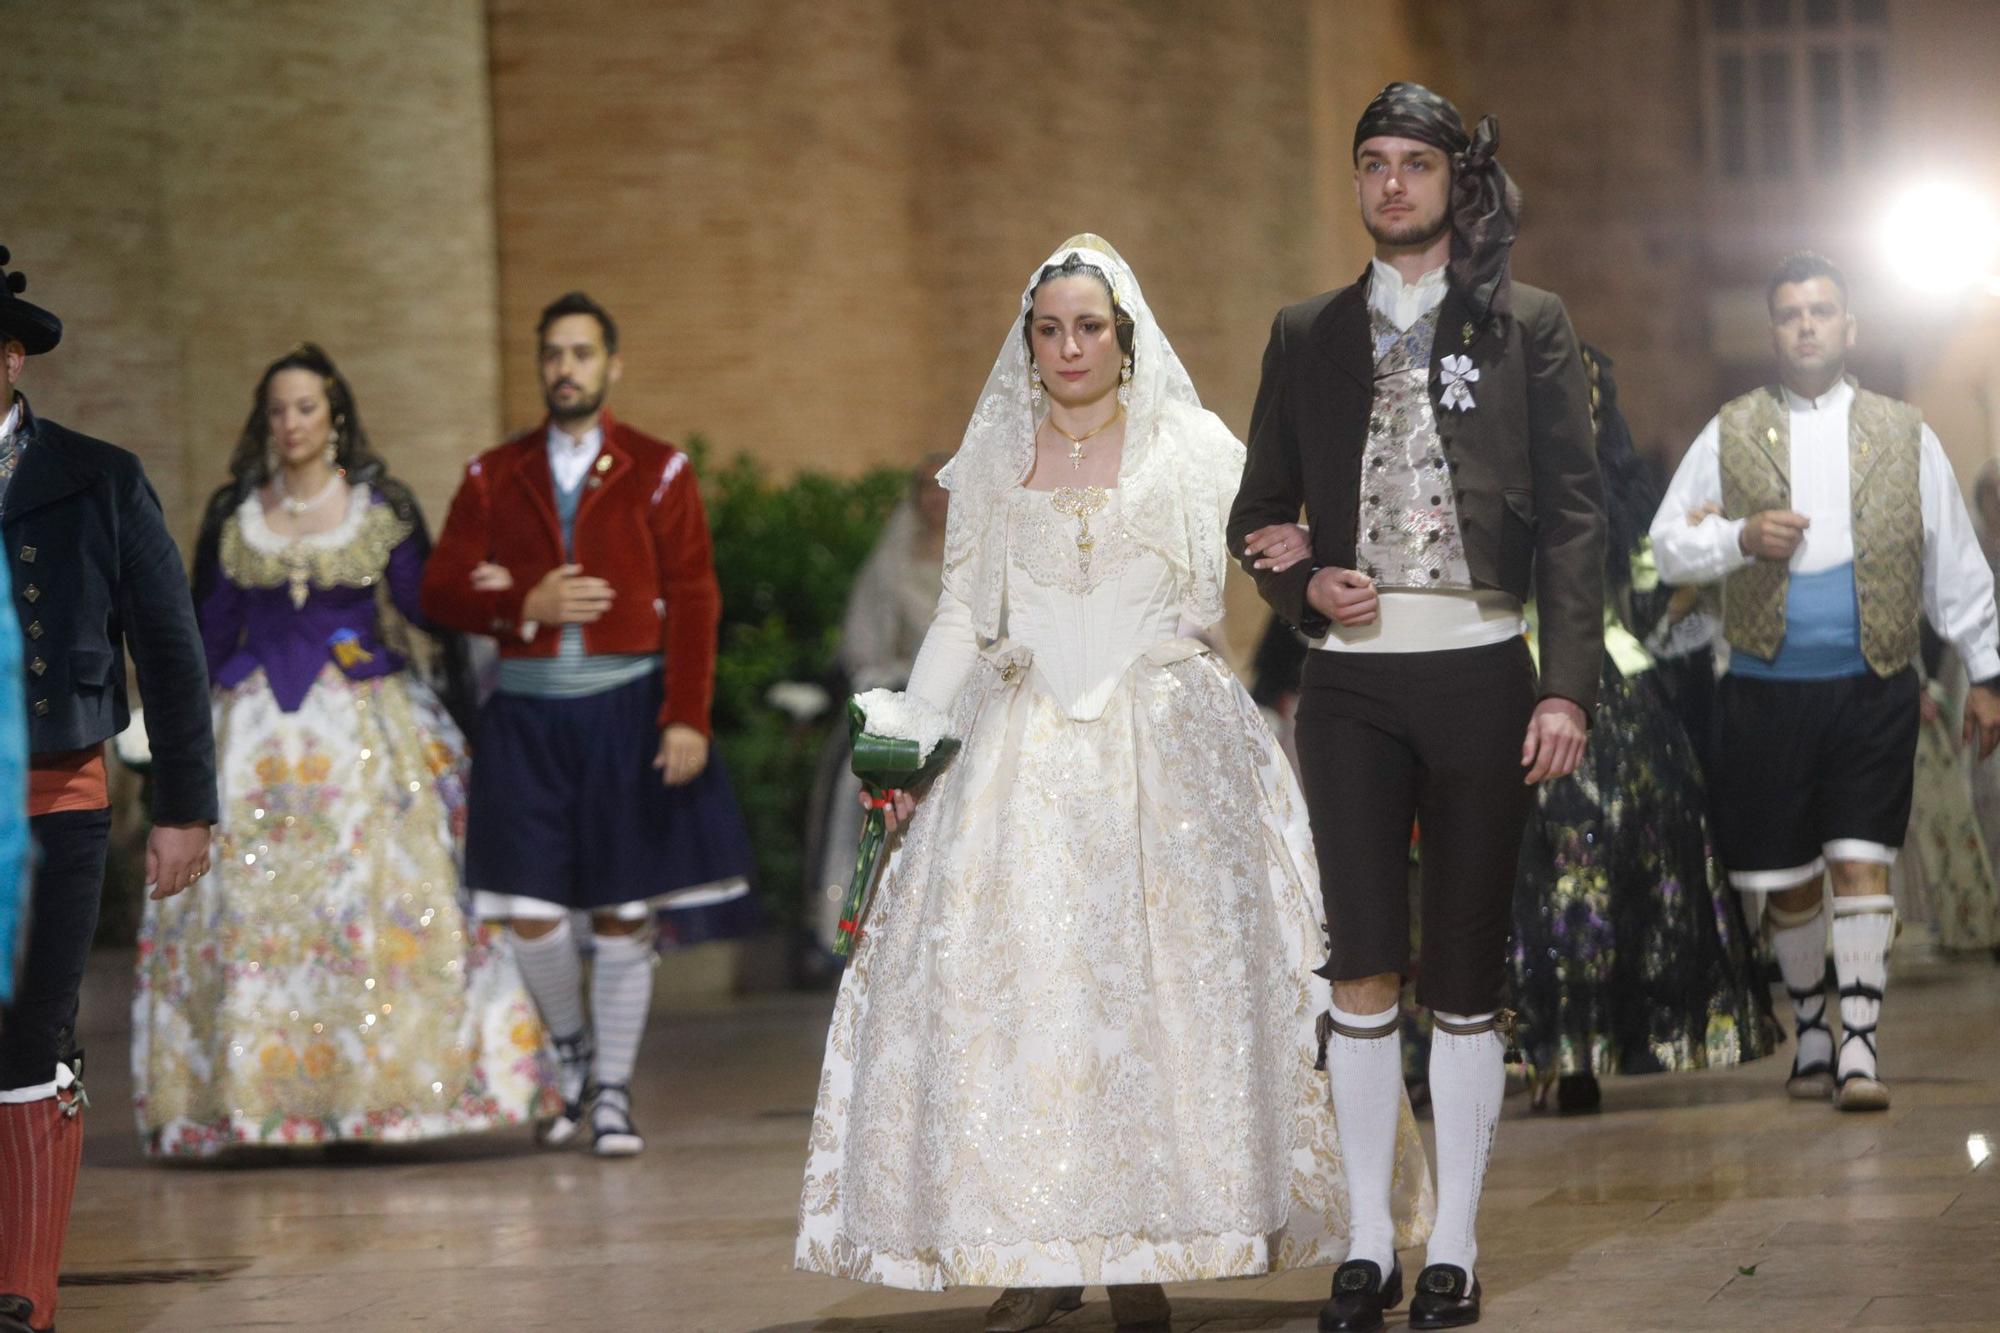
(949, 651)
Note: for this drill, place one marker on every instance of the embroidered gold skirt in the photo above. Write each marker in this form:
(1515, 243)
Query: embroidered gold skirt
(321, 982)
(1075, 1043)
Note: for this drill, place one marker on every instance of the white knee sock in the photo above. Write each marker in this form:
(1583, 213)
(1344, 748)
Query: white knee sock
(1367, 1078)
(1862, 930)
(621, 991)
(554, 973)
(1468, 1080)
(1798, 938)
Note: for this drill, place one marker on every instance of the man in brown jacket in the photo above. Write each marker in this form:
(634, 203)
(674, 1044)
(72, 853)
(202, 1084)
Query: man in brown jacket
(1433, 420)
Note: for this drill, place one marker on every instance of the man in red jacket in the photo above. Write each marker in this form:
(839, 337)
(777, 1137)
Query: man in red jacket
(582, 547)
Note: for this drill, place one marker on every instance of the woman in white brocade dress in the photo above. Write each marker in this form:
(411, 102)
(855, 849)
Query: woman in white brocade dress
(1076, 1041)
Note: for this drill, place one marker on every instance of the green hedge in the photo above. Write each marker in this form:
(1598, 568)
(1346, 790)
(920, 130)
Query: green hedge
(786, 555)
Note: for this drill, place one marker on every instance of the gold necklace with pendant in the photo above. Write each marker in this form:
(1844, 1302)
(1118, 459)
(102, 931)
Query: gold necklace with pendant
(1076, 441)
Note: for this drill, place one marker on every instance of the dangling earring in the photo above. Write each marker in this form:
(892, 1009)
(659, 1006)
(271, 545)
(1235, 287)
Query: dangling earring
(1035, 387)
(1125, 382)
(332, 454)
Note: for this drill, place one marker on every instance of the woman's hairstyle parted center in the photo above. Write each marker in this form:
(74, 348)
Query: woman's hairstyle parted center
(1074, 266)
(251, 461)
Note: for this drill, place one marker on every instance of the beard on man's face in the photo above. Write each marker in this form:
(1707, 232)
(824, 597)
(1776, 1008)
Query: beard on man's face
(1407, 231)
(575, 408)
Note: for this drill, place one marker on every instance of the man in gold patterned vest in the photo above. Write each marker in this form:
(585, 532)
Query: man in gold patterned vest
(1832, 520)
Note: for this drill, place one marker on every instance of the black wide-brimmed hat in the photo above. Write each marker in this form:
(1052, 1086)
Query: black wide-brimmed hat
(35, 328)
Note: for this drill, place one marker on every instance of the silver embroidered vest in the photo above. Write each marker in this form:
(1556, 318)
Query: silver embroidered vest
(1408, 535)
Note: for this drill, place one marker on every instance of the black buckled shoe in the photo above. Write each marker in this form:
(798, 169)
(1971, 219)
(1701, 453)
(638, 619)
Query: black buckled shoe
(1360, 1295)
(1447, 1297)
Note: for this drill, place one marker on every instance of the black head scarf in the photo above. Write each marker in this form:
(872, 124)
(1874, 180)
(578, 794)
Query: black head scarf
(1485, 205)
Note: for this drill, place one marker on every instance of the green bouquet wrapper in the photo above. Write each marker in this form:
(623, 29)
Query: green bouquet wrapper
(885, 765)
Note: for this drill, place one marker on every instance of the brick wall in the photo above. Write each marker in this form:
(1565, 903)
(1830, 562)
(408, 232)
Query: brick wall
(813, 221)
(813, 218)
(1662, 264)
(1945, 107)
(1597, 117)
(85, 217)
(195, 185)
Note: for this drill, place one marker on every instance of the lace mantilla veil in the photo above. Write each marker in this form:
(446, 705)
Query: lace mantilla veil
(1177, 477)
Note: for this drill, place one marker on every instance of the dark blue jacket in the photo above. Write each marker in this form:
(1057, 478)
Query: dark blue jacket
(95, 572)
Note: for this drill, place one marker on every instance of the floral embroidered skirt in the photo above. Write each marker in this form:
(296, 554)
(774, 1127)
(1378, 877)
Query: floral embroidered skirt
(321, 982)
(1947, 855)
(1631, 954)
(1075, 1043)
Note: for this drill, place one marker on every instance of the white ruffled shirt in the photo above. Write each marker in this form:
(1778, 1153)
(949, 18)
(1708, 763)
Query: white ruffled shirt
(1957, 583)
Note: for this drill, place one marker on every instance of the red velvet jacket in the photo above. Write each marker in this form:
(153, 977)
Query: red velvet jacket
(639, 525)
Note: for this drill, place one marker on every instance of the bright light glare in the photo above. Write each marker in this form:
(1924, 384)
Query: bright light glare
(1943, 237)
(1978, 1147)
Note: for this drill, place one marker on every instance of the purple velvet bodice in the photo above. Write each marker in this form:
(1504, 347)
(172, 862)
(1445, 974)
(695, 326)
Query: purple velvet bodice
(254, 624)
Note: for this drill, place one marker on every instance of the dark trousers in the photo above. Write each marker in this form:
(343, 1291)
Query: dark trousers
(1388, 739)
(39, 1027)
(1803, 763)
(567, 807)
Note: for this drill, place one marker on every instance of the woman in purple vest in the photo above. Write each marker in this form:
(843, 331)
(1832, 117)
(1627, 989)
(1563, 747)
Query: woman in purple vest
(322, 984)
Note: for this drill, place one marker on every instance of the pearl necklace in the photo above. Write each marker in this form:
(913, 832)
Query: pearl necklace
(297, 507)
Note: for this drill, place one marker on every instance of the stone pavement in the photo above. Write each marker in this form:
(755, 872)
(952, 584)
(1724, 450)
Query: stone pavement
(1700, 1201)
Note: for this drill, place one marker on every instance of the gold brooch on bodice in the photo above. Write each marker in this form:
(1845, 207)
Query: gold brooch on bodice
(1080, 504)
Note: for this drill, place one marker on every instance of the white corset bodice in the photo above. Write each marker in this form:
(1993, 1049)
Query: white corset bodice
(1085, 614)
